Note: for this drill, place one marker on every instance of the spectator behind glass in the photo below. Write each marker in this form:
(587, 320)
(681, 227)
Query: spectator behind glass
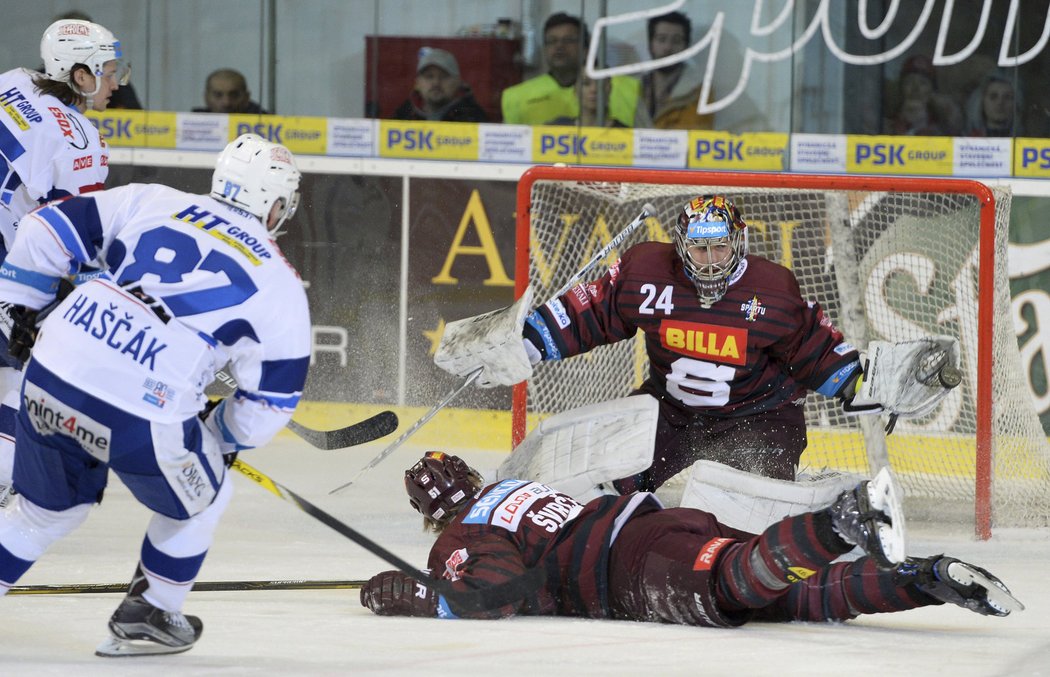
(124, 97)
(992, 107)
(553, 95)
(439, 92)
(587, 90)
(226, 91)
(922, 110)
(672, 93)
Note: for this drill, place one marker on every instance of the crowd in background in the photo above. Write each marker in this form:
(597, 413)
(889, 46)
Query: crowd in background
(662, 98)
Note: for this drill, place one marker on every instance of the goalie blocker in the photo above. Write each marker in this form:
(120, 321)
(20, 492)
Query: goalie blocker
(492, 342)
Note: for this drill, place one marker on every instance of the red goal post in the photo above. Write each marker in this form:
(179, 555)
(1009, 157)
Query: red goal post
(887, 257)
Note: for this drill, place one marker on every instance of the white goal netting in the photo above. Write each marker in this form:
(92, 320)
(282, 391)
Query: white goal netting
(887, 259)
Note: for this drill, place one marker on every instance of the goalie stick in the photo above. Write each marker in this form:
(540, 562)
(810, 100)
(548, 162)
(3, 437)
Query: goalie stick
(199, 586)
(648, 211)
(473, 600)
(362, 432)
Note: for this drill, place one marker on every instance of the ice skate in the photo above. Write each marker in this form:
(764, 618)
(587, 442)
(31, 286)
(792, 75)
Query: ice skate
(953, 581)
(870, 516)
(139, 628)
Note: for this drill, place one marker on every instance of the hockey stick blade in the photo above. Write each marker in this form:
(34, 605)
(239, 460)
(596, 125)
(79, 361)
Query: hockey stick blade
(368, 430)
(199, 586)
(459, 602)
(380, 425)
(411, 431)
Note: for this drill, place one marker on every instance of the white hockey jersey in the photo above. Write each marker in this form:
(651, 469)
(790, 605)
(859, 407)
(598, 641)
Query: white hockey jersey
(49, 149)
(214, 269)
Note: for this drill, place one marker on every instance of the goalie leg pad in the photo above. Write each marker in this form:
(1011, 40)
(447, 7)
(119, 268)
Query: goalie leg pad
(493, 342)
(751, 502)
(578, 450)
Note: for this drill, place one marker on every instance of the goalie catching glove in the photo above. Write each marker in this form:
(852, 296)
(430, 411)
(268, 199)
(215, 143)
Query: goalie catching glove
(906, 379)
(491, 342)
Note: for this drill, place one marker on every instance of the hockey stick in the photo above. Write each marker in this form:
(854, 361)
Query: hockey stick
(408, 433)
(199, 586)
(368, 430)
(474, 600)
(648, 210)
(380, 425)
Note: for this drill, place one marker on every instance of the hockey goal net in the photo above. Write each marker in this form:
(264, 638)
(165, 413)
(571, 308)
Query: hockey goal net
(887, 258)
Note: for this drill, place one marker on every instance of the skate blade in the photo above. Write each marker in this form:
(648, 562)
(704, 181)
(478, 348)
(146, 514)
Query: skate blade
(885, 495)
(114, 647)
(998, 597)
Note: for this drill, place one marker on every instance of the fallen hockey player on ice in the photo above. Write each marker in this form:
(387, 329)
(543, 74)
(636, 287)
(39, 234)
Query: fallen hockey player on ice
(626, 557)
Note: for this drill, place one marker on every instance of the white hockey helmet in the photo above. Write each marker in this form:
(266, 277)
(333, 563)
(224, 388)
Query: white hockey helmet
(252, 174)
(68, 42)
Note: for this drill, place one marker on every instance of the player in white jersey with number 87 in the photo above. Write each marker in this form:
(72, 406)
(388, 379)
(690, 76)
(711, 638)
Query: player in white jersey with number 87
(117, 374)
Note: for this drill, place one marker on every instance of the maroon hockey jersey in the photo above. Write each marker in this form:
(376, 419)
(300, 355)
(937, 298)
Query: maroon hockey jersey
(516, 525)
(758, 347)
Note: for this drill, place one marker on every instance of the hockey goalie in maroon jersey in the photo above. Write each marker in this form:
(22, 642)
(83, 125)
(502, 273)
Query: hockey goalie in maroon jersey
(733, 348)
(627, 558)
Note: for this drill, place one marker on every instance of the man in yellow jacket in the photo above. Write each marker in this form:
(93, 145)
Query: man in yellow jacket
(553, 95)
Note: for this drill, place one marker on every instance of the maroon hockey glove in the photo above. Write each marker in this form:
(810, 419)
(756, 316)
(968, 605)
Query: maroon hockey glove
(392, 593)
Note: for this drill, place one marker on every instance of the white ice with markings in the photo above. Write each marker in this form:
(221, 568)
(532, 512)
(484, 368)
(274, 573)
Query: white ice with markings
(328, 632)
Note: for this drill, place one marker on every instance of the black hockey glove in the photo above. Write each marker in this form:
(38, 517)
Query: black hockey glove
(23, 332)
(203, 414)
(135, 289)
(392, 593)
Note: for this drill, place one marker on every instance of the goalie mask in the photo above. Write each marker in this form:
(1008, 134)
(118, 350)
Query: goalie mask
(69, 42)
(252, 174)
(711, 239)
(439, 485)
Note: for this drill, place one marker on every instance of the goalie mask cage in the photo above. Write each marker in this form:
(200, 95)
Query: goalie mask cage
(886, 257)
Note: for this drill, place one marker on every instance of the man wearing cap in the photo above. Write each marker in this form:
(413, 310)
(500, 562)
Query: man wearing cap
(439, 92)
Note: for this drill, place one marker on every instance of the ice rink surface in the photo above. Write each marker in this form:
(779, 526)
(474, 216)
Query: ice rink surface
(328, 632)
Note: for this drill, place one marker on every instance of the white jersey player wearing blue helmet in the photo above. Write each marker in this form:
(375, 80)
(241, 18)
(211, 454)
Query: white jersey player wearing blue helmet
(116, 377)
(50, 150)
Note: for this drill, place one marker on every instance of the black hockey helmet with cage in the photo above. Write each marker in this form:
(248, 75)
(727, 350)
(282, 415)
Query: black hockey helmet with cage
(439, 484)
(707, 221)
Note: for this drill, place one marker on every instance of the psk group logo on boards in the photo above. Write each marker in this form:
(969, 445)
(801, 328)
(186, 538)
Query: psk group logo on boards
(909, 155)
(436, 140)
